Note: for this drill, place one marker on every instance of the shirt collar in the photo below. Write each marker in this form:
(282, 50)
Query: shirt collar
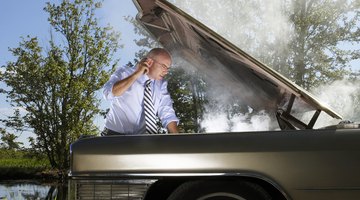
(144, 78)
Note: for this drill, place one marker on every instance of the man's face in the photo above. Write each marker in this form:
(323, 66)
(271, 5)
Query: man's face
(159, 67)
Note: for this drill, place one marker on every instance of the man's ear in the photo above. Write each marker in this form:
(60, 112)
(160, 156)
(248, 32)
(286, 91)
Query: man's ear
(149, 61)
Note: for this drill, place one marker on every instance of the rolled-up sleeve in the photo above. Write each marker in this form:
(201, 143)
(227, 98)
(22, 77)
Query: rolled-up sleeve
(115, 77)
(166, 111)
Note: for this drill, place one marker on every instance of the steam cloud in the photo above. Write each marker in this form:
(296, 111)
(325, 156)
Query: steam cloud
(343, 97)
(241, 122)
(223, 91)
(237, 25)
(247, 24)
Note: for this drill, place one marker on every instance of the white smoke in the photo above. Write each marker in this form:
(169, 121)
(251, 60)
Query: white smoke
(247, 24)
(222, 93)
(220, 122)
(343, 97)
(242, 23)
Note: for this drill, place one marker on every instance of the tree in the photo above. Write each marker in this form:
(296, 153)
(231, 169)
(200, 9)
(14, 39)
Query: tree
(188, 93)
(58, 87)
(311, 52)
(302, 39)
(9, 139)
(320, 27)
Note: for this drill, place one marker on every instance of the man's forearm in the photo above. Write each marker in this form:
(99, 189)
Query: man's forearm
(121, 86)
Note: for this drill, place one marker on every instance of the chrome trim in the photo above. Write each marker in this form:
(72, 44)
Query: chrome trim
(330, 188)
(156, 175)
(110, 188)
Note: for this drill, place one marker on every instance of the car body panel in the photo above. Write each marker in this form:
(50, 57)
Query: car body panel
(306, 164)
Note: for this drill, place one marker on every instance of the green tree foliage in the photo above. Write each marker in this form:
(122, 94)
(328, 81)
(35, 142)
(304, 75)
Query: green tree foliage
(309, 41)
(316, 48)
(57, 86)
(320, 27)
(188, 92)
(9, 140)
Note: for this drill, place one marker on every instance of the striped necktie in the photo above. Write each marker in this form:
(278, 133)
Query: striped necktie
(150, 117)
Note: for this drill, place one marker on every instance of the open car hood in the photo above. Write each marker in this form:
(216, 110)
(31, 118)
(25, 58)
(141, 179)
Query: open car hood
(213, 55)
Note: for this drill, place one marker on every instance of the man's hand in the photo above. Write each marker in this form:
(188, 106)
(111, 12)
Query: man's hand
(144, 65)
(172, 127)
(141, 68)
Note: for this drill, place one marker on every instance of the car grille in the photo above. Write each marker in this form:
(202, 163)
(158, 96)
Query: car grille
(120, 190)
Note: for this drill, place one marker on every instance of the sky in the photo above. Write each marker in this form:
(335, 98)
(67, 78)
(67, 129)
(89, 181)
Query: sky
(19, 18)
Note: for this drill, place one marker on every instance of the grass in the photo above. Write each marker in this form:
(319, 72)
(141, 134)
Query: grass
(19, 164)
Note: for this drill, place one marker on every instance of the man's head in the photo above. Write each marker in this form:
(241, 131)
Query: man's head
(159, 61)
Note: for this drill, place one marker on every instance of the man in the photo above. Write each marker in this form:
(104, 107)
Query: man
(126, 92)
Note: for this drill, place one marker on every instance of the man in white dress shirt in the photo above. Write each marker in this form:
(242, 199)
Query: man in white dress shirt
(125, 91)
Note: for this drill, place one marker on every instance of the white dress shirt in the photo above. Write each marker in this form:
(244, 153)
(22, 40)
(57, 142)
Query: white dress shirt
(126, 114)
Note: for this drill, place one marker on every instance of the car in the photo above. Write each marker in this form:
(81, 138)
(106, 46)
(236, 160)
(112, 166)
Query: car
(294, 162)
